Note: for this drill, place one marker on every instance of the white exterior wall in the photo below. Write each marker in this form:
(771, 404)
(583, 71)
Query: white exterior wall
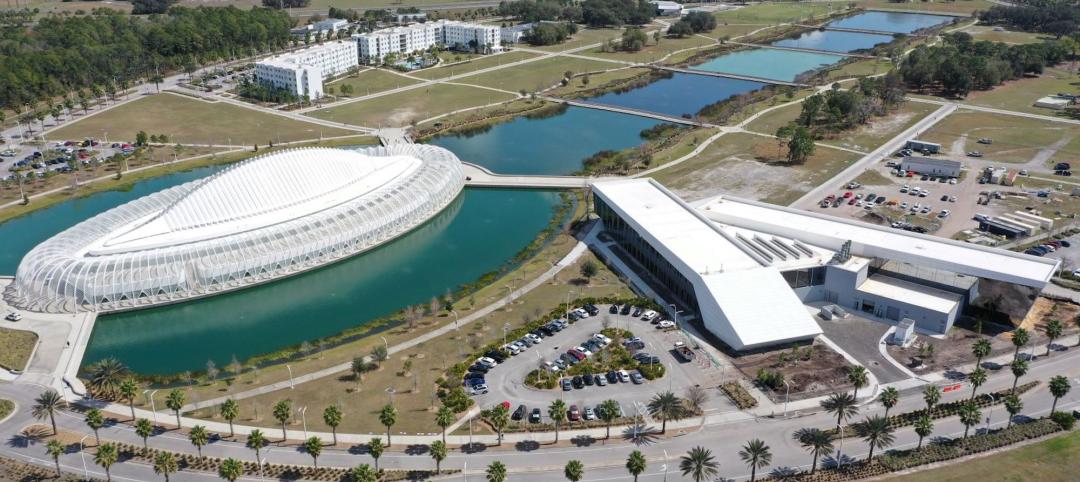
(375, 46)
(302, 73)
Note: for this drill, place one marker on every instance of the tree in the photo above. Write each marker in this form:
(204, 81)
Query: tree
(388, 417)
(842, 405)
(858, 378)
(588, 270)
(801, 146)
(1020, 337)
(444, 418)
(95, 421)
(970, 415)
(981, 349)
(666, 406)
(1053, 331)
(165, 464)
(438, 453)
(363, 473)
(815, 441)
(231, 469)
(699, 464)
(1059, 387)
(756, 455)
(175, 401)
(931, 395)
(680, 30)
(141, 138)
(107, 455)
(106, 376)
(924, 427)
(636, 464)
(875, 430)
(375, 450)
(313, 446)
(1019, 368)
(282, 411)
(129, 389)
(499, 418)
(574, 471)
(977, 378)
(608, 411)
(633, 40)
(256, 441)
(46, 405)
(557, 412)
(229, 411)
(332, 416)
(888, 398)
(199, 437)
(144, 429)
(379, 353)
(1013, 405)
(496, 472)
(55, 449)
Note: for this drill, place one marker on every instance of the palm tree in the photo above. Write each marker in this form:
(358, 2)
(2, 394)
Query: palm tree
(1013, 405)
(229, 411)
(129, 389)
(981, 349)
(666, 406)
(608, 411)
(106, 456)
(969, 416)
(388, 417)
(635, 464)
(699, 464)
(924, 427)
(363, 473)
(375, 449)
(231, 469)
(55, 449)
(499, 418)
(106, 376)
(842, 405)
(46, 405)
(1020, 337)
(438, 453)
(1053, 331)
(313, 446)
(1019, 368)
(165, 464)
(977, 378)
(282, 411)
(931, 395)
(95, 421)
(444, 418)
(199, 437)
(875, 430)
(756, 455)
(144, 429)
(256, 441)
(888, 398)
(332, 417)
(574, 470)
(1059, 387)
(857, 375)
(175, 401)
(496, 472)
(557, 412)
(816, 441)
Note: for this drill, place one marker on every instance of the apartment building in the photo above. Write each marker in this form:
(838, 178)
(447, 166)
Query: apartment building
(303, 72)
(375, 46)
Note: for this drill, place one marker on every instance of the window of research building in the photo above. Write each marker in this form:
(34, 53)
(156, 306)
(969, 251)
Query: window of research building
(802, 278)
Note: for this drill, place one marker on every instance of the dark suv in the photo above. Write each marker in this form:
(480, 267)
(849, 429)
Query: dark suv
(534, 417)
(519, 413)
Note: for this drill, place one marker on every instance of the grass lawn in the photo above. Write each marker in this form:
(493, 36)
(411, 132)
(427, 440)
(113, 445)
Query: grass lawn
(6, 407)
(15, 349)
(596, 80)
(1055, 459)
(961, 6)
(371, 81)
(653, 51)
(413, 105)
(751, 166)
(859, 69)
(472, 65)
(537, 75)
(733, 29)
(773, 13)
(982, 32)
(193, 121)
(1020, 95)
(1015, 139)
(584, 36)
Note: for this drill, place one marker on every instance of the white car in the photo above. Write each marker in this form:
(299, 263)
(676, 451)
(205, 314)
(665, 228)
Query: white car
(944, 213)
(551, 367)
(604, 340)
(926, 209)
(903, 205)
(953, 180)
(13, 316)
(479, 389)
(513, 349)
(624, 376)
(583, 350)
(487, 361)
(665, 324)
(534, 337)
(648, 316)
(582, 313)
(905, 188)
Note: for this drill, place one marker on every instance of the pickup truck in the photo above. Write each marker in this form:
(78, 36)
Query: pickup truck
(684, 351)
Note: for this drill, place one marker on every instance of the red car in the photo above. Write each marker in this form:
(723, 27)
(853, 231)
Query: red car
(574, 415)
(852, 201)
(848, 194)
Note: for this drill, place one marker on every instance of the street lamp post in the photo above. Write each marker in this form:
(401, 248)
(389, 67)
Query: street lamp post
(385, 345)
(787, 391)
(292, 384)
(153, 406)
(993, 401)
(506, 327)
(82, 454)
(566, 314)
(840, 449)
(665, 464)
(303, 418)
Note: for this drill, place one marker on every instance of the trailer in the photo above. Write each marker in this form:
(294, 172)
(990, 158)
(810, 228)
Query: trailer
(684, 351)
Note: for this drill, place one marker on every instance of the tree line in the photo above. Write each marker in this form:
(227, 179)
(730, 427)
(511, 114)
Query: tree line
(692, 23)
(540, 10)
(616, 13)
(1055, 17)
(549, 33)
(961, 65)
(63, 54)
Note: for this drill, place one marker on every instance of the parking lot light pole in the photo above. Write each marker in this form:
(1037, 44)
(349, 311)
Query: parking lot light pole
(292, 384)
(82, 454)
(993, 401)
(303, 418)
(665, 465)
(787, 391)
(153, 406)
(840, 449)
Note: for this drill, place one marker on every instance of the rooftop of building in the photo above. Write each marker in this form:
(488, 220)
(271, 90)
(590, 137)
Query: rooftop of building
(926, 297)
(934, 160)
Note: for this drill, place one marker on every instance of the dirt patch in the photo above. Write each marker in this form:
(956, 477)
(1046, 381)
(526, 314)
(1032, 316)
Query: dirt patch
(811, 370)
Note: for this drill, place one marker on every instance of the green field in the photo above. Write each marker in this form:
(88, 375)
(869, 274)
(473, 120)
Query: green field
(584, 36)
(537, 75)
(653, 51)
(15, 348)
(1015, 139)
(864, 138)
(193, 121)
(981, 32)
(1053, 460)
(473, 65)
(772, 13)
(372, 81)
(1020, 95)
(418, 104)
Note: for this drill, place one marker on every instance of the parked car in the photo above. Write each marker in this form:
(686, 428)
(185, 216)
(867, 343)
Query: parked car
(649, 315)
(624, 376)
(578, 382)
(588, 380)
(13, 316)
(487, 361)
(663, 325)
(592, 310)
(600, 380)
(638, 311)
(612, 376)
(589, 414)
(519, 413)
(625, 310)
(479, 389)
(566, 384)
(534, 417)
(478, 368)
(573, 414)
(636, 377)
(614, 309)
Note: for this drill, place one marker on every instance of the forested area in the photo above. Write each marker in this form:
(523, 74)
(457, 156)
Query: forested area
(108, 50)
(549, 33)
(692, 23)
(616, 13)
(961, 65)
(540, 10)
(1055, 17)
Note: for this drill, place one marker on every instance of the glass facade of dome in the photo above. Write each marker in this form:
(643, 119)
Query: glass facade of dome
(259, 220)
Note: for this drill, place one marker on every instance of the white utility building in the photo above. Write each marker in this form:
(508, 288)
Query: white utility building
(375, 46)
(302, 72)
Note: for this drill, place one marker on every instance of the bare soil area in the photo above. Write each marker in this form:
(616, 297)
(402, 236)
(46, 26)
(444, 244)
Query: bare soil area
(811, 370)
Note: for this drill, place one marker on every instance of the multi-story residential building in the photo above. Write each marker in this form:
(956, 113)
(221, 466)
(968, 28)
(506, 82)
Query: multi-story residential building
(375, 46)
(302, 72)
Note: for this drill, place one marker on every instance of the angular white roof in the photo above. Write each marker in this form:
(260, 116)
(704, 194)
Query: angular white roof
(927, 297)
(756, 307)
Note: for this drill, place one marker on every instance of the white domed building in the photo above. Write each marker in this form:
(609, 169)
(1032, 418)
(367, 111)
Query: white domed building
(259, 220)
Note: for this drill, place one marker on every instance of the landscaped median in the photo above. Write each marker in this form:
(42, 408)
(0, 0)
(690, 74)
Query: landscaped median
(16, 346)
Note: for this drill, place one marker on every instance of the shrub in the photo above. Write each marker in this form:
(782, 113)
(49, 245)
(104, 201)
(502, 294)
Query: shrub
(651, 372)
(773, 380)
(538, 379)
(1064, 420)
(739, 395)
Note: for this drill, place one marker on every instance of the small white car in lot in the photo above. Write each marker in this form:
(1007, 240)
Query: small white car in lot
(663, 325)
(13, 316)
(486, 361)
(624, 376)
(479, 389)
(648, 316)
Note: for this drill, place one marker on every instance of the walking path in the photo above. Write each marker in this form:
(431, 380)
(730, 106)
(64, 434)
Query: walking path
(630, 111)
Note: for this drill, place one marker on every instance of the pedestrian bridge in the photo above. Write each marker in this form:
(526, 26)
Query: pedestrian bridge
(478, 176)
(750, 78)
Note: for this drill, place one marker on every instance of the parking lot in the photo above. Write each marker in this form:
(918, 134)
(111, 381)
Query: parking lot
(505, 382)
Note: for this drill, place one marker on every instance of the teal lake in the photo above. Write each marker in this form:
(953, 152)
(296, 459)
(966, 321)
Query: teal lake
(833, 41)
(682, 94)
(768, 63)
(897, 22)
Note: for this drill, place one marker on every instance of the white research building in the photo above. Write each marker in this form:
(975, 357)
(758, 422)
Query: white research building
(259, 220)
(373, 47)
(749, 270)
(303, 72)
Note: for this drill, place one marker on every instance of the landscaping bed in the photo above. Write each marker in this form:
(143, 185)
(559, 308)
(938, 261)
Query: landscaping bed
(739, 395)
(811, 370)
(15, 349)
